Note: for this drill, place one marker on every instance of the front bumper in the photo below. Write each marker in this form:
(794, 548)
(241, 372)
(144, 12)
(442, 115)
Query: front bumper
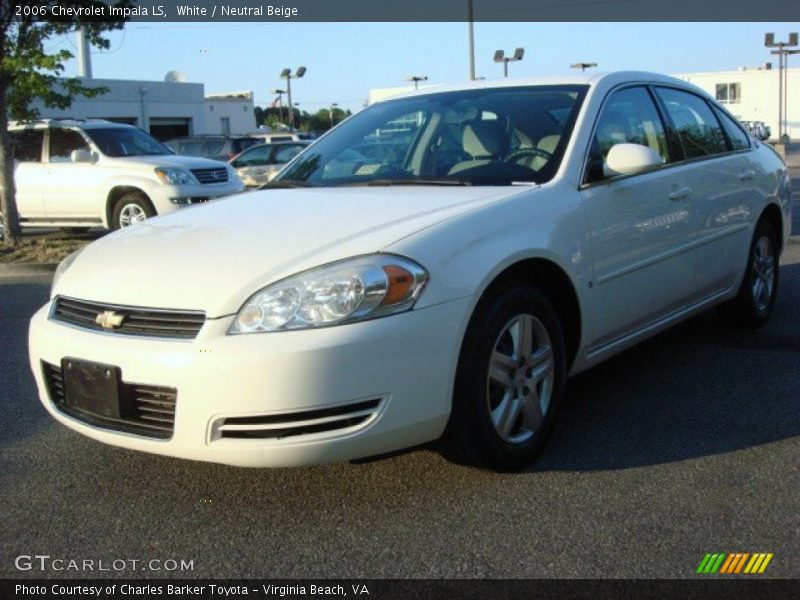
(162, 195)
(405, 361)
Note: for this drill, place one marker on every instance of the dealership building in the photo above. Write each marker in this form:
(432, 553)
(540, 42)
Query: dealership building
(750, 94)
(167, 109)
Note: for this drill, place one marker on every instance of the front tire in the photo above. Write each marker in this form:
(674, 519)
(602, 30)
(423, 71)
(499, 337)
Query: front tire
(510, 381)
(131, 209)
(753, 305)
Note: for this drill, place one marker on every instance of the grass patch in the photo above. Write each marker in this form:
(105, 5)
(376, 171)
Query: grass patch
(45, 248)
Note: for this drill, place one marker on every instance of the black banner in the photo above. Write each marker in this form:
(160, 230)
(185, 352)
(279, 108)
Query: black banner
(752, 588)
(412, 10)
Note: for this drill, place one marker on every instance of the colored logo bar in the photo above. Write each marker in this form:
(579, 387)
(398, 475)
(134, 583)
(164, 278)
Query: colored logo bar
(733, 563)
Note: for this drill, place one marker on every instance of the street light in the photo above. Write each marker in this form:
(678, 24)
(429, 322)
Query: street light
(500, 57)
(783, 60)
(416, 79)
(333, 105)
(582, 66)
(288, 76)
(280, 102)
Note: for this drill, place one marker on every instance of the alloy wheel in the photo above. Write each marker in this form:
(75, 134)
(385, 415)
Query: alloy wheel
(763, 268)
(131, 214)
(520, 380)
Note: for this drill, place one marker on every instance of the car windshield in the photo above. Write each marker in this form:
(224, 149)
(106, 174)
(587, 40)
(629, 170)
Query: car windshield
(124, 141)
(472, 137)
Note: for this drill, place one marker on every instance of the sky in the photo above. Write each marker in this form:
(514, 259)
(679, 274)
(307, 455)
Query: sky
(346, 60)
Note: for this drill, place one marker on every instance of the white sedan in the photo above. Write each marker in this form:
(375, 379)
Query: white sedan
(435, 267)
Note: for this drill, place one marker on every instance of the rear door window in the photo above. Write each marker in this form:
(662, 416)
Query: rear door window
(698, 130)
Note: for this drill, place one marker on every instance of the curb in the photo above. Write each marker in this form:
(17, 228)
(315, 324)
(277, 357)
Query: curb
(23, 269)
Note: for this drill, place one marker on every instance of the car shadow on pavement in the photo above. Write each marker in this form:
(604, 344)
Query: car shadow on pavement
(698, 389)
(21, 414)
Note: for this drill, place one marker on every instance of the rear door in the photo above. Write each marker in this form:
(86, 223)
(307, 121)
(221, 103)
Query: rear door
(29, 172)
(639, 227)
(720, 176)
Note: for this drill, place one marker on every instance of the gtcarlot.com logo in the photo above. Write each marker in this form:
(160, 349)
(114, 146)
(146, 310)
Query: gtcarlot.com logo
(734, 563)
(45, 562)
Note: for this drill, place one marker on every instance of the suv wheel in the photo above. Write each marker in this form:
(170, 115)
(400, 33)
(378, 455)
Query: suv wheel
(510, 381)
(753, 305)
(131, 209)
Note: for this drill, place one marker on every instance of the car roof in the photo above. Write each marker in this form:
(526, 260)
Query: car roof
(586, 78)
(79, 123)
(213, 136)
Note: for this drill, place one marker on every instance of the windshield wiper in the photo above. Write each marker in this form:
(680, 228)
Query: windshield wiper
(409, 181)
(285, 183)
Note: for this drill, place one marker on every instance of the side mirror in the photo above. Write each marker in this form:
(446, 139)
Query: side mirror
(630, 159)
(81, 156)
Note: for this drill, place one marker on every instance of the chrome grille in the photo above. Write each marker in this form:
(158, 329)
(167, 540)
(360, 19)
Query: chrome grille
(148, 410)
(206, 176)
(298, 423)
(146, 322)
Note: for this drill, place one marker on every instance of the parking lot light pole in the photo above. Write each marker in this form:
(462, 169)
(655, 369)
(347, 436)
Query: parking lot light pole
(280, 103)
(416, 79)
(471, 30)
(333, 105)
(288, 76)
(500, 57)
(583, 65)
(783, 56)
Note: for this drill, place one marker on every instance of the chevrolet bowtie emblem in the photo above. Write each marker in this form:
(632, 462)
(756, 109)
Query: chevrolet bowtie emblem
(109, 319)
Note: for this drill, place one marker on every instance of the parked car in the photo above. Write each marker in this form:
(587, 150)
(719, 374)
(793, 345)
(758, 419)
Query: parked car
(215, 147)
(274, 137)
(358, 305)
(259, 164)
(94, 173)
(758, 129)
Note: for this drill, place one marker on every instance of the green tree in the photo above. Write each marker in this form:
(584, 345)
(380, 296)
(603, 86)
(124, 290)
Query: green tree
(28, 72)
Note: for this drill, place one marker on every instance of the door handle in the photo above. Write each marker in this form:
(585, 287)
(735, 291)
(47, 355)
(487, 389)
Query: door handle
(747, 176)
(680, 193)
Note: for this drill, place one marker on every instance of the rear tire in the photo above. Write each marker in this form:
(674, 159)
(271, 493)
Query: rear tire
(755, 301)
(130, 209)
(509, 383)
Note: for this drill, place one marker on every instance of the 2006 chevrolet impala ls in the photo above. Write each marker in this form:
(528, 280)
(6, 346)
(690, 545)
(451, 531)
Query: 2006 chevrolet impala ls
(436, 266)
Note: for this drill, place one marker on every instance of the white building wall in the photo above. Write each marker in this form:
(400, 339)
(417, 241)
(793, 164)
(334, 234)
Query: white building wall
(237, 109)
(138, 102)
(759, 95)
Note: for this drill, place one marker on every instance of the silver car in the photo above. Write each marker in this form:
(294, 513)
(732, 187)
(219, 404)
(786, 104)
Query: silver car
(259, 164)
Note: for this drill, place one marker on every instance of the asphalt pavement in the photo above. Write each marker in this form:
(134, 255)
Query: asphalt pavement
(687, 444)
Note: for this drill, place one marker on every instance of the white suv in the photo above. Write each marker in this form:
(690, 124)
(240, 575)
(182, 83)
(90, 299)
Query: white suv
(91, 173)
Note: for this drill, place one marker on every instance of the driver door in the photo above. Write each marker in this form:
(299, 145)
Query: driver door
(639, 227)
(70, 189)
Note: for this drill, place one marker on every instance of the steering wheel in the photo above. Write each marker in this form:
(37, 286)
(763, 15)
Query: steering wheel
(523, 152)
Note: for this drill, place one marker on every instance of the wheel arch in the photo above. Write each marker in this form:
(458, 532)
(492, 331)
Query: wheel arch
(554, 282)
(773, 214)
(117, 192)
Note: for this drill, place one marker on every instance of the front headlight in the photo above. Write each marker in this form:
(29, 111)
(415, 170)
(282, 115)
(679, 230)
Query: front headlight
(174, 176)
(62, 268)
(356, 289)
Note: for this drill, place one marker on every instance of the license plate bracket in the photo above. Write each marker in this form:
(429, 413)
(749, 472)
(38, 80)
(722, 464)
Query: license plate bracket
(95, 388)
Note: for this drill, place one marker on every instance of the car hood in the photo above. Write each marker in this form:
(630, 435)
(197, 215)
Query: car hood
(212, 257)
(173, 160)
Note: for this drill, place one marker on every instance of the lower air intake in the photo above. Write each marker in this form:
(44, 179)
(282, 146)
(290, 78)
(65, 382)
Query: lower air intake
(298, 423)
